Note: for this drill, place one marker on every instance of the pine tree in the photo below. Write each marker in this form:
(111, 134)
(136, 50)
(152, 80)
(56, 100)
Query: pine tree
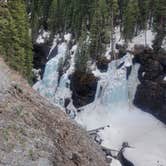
(145, 12)
(131, 16)
(5, 19)
(53, 17)
(113, 14)
(98, 28)
(159, 23)
(95, 35)
(82, 55)
(16, 40)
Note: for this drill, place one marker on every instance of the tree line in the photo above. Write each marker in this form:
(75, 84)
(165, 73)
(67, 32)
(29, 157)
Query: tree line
(97, 19)
(91, 22)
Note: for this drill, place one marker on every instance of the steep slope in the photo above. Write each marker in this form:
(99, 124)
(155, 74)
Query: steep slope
(35, 133)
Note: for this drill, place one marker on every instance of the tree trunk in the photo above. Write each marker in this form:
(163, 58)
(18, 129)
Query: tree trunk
(112, 35)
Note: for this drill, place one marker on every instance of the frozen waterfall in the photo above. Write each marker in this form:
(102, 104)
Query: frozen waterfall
(48, 85)
(114, 90)
(54, 87)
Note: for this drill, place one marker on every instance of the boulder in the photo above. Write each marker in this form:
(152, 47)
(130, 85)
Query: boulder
(83, 86)
(40, 57)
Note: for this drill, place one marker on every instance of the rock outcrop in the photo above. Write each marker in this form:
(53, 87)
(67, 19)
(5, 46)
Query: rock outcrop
(83, 86)
(151, 93)
(35, 133)
(41, 52)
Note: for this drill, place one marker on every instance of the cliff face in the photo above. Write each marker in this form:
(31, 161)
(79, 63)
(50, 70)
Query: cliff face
(35, 133)
(151, 93)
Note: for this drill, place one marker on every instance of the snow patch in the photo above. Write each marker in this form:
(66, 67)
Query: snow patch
(115, 162)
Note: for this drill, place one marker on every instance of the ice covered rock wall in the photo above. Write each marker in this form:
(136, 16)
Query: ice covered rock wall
(53, 86)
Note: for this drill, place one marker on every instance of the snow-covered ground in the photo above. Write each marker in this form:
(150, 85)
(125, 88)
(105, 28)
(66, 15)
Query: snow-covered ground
(145, 134)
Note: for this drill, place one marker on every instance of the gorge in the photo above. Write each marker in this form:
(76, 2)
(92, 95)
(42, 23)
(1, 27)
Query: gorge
(83, 82)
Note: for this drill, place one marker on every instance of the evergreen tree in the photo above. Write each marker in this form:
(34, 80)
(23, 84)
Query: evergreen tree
(53, 17)
(159, 23)
(145, 11)
(16, 40)
(5, 20)
(95, 33)
(131, 15)
(82, 55)
(98, 28)
(114, 13)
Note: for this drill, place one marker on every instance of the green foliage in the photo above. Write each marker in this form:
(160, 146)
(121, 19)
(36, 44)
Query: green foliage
(82, 55)
(131, 16)
(91, 19)
(97, 17)
(98, 29)
(5, 19)
(15, 43)
(145, 11)
(53, 16)
(159, 23)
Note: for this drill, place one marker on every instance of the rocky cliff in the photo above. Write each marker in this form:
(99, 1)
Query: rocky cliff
(151, 92)
(35, 133)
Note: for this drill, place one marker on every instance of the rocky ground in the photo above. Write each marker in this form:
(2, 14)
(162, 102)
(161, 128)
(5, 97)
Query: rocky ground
(35, 133)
